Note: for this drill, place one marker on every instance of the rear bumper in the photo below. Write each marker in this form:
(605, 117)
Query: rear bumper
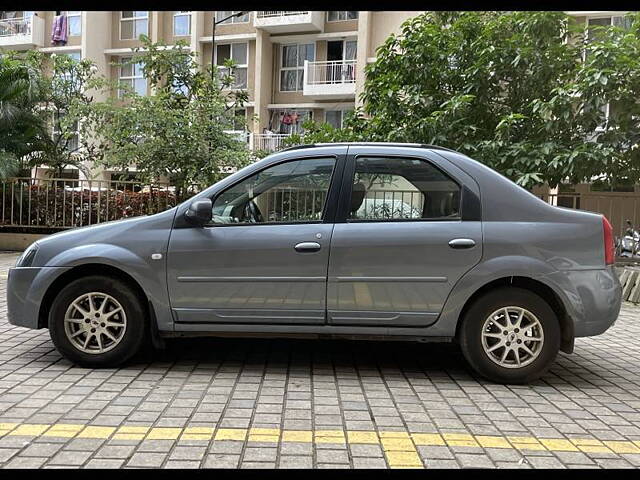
(26, 288)
(600, 294)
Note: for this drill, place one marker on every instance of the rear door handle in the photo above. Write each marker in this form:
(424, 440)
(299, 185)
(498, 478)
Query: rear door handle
(459, 243)
(305, 247)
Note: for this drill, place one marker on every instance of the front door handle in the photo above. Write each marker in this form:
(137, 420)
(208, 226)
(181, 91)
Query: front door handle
(459, 243)
(306, 247)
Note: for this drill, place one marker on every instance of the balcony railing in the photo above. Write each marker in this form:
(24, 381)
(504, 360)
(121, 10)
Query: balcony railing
(267, 142)
(330, 78)
(289, 21)
(22, 33)
(285, 13)
(15, 26)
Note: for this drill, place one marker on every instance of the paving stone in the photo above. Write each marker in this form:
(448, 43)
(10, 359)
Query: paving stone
(146, 460)
(288, 461)
(300, 385)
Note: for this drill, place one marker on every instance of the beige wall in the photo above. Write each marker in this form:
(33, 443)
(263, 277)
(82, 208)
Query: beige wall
(384, 24)
(227, 28)
(342, 26)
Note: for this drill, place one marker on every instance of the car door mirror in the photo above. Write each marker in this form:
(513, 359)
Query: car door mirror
(199, 212)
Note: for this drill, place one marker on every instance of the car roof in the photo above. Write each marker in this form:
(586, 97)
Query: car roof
(367, 144)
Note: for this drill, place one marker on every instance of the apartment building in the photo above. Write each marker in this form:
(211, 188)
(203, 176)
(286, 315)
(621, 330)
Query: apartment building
(295, 65)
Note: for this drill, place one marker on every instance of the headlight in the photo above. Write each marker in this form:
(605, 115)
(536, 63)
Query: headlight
(26, 259)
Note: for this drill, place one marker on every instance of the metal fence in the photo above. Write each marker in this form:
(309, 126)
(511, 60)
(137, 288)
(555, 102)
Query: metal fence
(60, 203)
(267, 142)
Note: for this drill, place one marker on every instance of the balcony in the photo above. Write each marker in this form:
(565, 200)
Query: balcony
(289, 21)
(332, 79)
(22, 33)
(267, 142)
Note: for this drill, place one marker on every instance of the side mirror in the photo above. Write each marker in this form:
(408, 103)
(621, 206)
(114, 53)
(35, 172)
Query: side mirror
(199, 212)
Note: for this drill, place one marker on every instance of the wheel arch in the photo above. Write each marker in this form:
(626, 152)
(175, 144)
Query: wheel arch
(85, 270)
(535, 286)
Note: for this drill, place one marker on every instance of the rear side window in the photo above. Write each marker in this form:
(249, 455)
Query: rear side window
(390, 188)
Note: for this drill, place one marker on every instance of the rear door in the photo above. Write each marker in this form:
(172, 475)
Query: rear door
(408, 227)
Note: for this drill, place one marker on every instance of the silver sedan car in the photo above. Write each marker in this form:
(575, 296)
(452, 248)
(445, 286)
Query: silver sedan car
(361, 240)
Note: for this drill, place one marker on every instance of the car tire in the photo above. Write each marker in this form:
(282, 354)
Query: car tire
(485, 336)
(98, 321)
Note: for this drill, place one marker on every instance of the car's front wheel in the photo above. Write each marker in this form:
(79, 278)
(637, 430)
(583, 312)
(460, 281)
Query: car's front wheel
(510, 335)
(97, 321)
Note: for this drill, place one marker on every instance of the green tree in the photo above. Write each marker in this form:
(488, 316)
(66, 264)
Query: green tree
(19, 127)
(58, 98)
(178, 130)
(507, 88)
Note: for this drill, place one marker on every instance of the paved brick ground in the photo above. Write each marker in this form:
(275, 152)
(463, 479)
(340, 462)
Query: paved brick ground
(290, 404)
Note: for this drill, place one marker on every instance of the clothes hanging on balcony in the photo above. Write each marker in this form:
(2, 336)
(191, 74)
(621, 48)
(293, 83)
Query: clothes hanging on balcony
(59, 30)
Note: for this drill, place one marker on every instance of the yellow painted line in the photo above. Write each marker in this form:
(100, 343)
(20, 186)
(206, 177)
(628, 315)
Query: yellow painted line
(428, 439)
(63, 430)
(403, 459)
(622, 447)
(131, 433)
(558, 445)
(160, 433)
(271, 435)
(231, 434)
(490, 441)
(96, 432)
(304, 436)
(399, 447)
(329, 436)
(30, 430)
(363, 437)
(6, 428)
(526, 443)
(460, 440)
(197, 433)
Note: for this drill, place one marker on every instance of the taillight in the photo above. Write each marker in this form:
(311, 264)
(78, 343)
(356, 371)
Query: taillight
(609, 247)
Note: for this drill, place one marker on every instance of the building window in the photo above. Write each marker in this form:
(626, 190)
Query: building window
(133, 24)
(70, 141)
(336, 118)
(341, 16)
(594, 22)
(132, 76)
(74, 23)
(289, 121)
(181, 24)
(238, 52)
(241, 19)
(292, 66)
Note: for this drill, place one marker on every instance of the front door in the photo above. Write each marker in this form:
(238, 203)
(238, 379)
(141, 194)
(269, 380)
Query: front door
(263, 258)
(404, 239)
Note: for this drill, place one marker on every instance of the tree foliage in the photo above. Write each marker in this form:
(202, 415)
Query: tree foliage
(509, 89)
(50, 94)
(178, 130)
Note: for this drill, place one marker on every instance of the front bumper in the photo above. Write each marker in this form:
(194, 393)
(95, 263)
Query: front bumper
(26, 287)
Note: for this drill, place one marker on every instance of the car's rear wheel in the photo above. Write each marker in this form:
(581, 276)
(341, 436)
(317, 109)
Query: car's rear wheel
(98, 321)
(510, 335)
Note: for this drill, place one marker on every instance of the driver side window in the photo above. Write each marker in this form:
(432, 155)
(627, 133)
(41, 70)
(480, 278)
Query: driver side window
(289, 192)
